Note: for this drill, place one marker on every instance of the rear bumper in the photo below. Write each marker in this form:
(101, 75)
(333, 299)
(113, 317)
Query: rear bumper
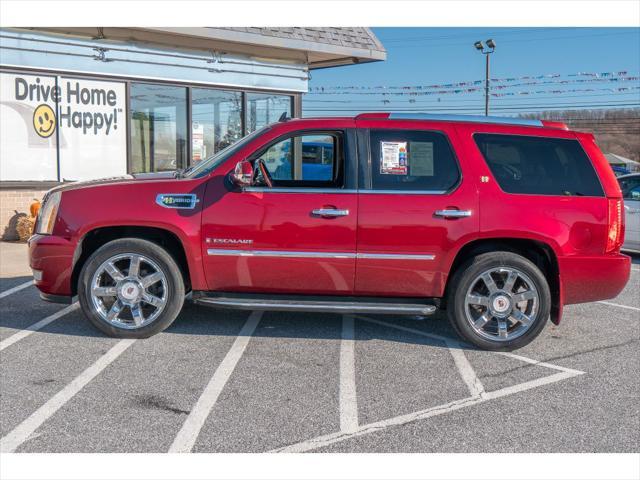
(52, 259)
(588, 279)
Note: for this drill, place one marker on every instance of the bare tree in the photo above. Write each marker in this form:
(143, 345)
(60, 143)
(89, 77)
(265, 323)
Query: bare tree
(616, 130)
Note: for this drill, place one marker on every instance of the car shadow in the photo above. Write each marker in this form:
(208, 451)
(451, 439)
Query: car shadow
(202, 320)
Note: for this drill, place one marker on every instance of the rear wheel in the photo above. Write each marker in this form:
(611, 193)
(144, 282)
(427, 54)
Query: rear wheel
(499, 301)
(131, 288)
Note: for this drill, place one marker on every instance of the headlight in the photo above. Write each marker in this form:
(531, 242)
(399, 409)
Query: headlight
(48, 213)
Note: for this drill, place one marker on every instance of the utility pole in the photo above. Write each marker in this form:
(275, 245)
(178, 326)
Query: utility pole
(490, 48)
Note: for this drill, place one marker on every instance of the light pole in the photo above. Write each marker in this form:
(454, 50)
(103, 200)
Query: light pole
(491, 46)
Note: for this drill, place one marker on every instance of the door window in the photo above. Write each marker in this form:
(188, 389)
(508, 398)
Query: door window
(304, 160)
(412, 160)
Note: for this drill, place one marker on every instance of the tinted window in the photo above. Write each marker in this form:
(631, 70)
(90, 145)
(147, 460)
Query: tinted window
(537, 165)
(412, 160)
(304, 160)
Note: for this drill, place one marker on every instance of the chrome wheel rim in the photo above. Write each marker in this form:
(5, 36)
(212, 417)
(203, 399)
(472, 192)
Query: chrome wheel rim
(129, 291)
(502, 304)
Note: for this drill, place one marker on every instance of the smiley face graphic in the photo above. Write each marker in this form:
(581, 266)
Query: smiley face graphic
(44, 120)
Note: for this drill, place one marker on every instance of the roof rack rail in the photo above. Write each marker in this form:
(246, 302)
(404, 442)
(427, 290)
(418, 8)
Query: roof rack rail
(437, 117)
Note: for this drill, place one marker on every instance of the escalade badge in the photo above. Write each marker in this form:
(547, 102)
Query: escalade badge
(177, 200)
(242, 241)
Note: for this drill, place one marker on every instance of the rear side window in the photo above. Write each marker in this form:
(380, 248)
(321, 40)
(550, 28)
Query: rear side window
(538, 165)
(412, 160)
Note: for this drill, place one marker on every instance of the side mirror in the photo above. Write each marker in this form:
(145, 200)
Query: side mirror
(242, 176)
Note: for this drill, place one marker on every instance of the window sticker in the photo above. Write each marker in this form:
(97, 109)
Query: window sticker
(393, 159)
(421, 160)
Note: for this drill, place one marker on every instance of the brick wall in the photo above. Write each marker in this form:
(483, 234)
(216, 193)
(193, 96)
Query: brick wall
(12, 203)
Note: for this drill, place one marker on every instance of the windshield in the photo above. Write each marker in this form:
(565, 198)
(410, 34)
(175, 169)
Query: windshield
(206, 166)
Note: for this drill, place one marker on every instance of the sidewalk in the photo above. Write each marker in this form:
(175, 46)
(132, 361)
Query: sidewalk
(13, 260)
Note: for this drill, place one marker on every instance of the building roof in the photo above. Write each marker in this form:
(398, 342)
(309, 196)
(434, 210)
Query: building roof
(318, 47)
(351, 38)
(619, 159)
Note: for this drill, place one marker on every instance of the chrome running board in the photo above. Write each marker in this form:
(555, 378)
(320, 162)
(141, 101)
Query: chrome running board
(315, 305)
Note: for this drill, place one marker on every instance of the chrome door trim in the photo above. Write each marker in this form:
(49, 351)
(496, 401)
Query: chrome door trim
(404, 192)
(300, 254)
(297, 190)
(279, 253)
(341, 190)
(394, 256)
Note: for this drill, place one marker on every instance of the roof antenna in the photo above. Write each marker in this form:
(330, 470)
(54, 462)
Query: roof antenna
(283, 117)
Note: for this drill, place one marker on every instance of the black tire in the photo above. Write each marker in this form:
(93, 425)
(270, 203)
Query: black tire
(468, 272)
(174, 284)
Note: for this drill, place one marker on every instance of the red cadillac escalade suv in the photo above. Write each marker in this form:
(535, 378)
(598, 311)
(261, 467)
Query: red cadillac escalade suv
(500, 221)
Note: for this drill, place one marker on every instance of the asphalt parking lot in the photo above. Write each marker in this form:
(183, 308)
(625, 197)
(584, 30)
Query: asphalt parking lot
(228, 381)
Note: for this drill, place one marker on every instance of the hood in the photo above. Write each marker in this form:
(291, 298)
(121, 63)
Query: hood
(112, 180)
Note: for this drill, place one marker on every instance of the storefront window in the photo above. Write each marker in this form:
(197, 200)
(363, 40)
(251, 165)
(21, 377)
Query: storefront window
(158, 115)
(216, 121)
(265, 108)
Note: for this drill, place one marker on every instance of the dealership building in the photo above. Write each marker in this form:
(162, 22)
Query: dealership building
(84, 103)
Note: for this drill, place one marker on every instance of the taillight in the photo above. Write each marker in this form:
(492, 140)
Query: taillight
(615, 221)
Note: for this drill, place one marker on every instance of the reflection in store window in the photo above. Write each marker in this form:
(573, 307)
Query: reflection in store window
(158, 116)
(265, 108)
(216, 121)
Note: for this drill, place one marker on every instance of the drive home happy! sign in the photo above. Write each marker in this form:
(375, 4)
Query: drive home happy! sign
(79, 105)
(83, 121)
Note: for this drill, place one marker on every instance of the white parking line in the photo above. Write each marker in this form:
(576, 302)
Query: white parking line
(468, 374)
(16, 289)
(188, 434)
(22, 432)
(540, 364)
(36, 326)
(325, 440)
(478, 394)
(348, 398)
(636, 309)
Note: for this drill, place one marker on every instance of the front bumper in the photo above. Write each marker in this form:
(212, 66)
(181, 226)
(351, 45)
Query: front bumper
(589, 279)
(53, 257)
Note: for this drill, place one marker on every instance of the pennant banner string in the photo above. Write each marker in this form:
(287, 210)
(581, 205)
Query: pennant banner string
(502, 82)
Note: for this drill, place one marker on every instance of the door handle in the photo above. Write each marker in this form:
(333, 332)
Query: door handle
(330, 212)
(452, 213)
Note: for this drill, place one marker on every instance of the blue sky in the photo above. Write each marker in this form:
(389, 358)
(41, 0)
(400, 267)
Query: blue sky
(427, 56)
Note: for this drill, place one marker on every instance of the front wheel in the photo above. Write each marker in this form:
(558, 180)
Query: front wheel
(131, 288)
(499, 301)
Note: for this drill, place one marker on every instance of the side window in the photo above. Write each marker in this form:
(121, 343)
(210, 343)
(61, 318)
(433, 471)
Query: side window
(539, 165)
(630, 188)
(311, 160)
(412, 160)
